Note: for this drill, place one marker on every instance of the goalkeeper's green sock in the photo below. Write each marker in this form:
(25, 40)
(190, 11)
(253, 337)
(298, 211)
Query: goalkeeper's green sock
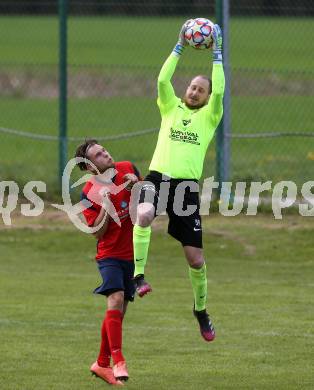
(199, 284)
(141, 240)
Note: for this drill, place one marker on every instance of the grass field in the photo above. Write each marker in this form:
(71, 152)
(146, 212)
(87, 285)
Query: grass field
(145, 41)
(260, 271)
(260, 277)
(112, 91)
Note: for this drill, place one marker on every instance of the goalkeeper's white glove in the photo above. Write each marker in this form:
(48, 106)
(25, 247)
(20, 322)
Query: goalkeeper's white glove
(179, 47)
(217, 44)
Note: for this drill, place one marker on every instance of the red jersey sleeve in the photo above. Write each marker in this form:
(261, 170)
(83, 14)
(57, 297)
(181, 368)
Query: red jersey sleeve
(93, 210)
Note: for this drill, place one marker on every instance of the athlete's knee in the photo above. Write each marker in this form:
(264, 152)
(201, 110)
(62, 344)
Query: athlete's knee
(196, 263)
(194, 257)
(116, 301)
(145, 214)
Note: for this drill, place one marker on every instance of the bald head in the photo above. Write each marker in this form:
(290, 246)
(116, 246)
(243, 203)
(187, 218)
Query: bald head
(198, 92)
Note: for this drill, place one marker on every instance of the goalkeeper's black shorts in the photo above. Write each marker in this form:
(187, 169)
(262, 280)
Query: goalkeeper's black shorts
(180, 199)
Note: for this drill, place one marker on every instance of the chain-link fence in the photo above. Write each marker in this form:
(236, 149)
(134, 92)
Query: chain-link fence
(115, 51)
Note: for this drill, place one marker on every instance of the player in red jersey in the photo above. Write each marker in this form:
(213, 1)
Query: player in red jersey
(106, 204)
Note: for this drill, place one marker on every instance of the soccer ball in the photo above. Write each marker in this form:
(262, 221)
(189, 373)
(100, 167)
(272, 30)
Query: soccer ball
(198, 33)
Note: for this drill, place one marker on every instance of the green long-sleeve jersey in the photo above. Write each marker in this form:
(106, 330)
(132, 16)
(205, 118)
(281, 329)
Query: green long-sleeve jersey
(185, 133)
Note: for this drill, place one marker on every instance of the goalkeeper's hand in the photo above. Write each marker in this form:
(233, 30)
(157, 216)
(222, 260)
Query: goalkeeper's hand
(181, 39)
(179, 47)
(217, 44)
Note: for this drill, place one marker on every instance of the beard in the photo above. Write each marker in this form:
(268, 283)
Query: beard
(194, 106)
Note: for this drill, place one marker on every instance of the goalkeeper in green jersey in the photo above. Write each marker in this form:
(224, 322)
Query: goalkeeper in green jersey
(187, 127)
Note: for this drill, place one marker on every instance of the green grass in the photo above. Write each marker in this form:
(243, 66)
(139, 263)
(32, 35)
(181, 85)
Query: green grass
(144, 41)
(278, 98)
(260, 276)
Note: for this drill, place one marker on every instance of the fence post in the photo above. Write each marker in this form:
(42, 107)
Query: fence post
(222, 139)
(63, 144)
